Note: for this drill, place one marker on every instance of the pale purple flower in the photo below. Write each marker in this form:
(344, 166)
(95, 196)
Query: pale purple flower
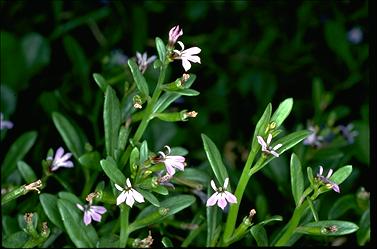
(187, 55)
(326, 180)
(171, 162)
(143, 61)
(266, 145)
(174, 34)
(348, 133)
(5, 124)
(221, 196)
(60, 160)
(355, 35)
(91, 212)
(128, 194)
(313, 139)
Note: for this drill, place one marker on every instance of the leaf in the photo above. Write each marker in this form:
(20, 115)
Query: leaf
(215, 160)
(16, 152)
(111, 119)
(26, 172)
(143, 152)
(363, 234)
(139, 79)
(282, 112)
(149, 196)
(166, 242)
(37, 52)
(90, 160)
(15, 240)
(80, 234)
(271, 219)
(259, 234)
(160, 49)
(49, 204)
(261, 127)
(297, 178)
(341, 174)
(70, 135)
(77, 56)
(69, 197)
(341, 206)
(328, 228)
(212, 221)
(312, 209)
(185, 92)
(112, 171)
(101, 82)
(152, 215)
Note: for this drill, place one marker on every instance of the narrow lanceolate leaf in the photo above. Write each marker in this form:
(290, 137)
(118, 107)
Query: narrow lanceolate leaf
(111, 119)
(143, 152)
(261, 127)
(152, 214)
(185, 92)
(282, 112)
(160, 49)
(112, 171)
(149, 197)
(139, 79)
(50, 207)
(101, 82)
(26, 172)
(297, 178)
(70, 135)
(80, 234)
(16, 152)
(259, 234)
(214, 158)
(328, 228)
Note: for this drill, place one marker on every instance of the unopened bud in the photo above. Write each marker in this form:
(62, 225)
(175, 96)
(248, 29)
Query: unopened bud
(137, 102)
(34, 186)
(28, 217)
(251, 214)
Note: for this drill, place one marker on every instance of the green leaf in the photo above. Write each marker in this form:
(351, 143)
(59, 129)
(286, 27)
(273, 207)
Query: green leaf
(80, 234)
(101, 82)
(212, 221)
(297, 178)
(328, 228)
(151, 214)
(166, 242)
(215, 160)
(363, 235)
(26, 172)
(185, 92)
(143, 152)
(15, 240)
(90, 160)
(16, 152)
(50, 207)
(259, 234)
(312, 209)
(282, 112)
(341, 206)
(271, 219)
(112, 171)
(70, 135)
(68, 196)
(149, 196)
(78, 58)
(261, 127)
(111, 119)
(37, 52)
(310, 175)
(139, 79)
(341, 174)
(160, 49)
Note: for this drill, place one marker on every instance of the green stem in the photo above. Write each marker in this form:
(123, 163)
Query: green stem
(147, 115)
(233, 210)
(124, 215)
(292, 224)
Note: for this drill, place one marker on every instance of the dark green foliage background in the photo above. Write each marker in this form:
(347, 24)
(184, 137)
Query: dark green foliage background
(253, 53)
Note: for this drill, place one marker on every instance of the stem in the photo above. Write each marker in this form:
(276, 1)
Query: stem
(233, 210)
(124, 215)
(292, 224)
(147, 115)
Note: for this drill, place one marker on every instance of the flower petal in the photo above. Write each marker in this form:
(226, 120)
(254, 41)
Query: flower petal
(226, 182)
(221, 201)
(80, 207)
(274, 153)
(121, 198)
(87, 218)
(95, 216)
(186, 64)
(262, 142)
(59, 153)
(130, 199)
(98, 209)
(213, 185)
(191, 51)
(118, 187)
(137, 196)
(212, 200)
(336, 188)
(269, 138)
(128, 183)
(169, 168)
(230, 197)
(276, 147)
(193, 58)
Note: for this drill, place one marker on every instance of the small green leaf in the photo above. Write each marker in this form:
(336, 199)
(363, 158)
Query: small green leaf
(282, 112)
(143, 152)
(139, 79)
(50, 207)
(112, 171)
(70, 135)
(261, 127)
(80, 234)
(341, 174)
(149, 196)
(328, 228)
(310, 175)
(26, 171)
(166, 242)
(215, 160)
(16, 152)
(90, 160)
(259, 234)
(123, 137)
(297, 178)
(111, 119)
(101, 82)
(160, 49)
(69, 197)
(185, 92)
(363, 235)
(151, 214)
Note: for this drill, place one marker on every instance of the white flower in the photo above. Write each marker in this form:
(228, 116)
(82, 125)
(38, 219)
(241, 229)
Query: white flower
(128, 194)
(171, 162)
(174, 34)
(5, 124)
(187, 55)
(221, 196)
(266, 145)
(91, 212)
(143, 61)
(60, 160)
